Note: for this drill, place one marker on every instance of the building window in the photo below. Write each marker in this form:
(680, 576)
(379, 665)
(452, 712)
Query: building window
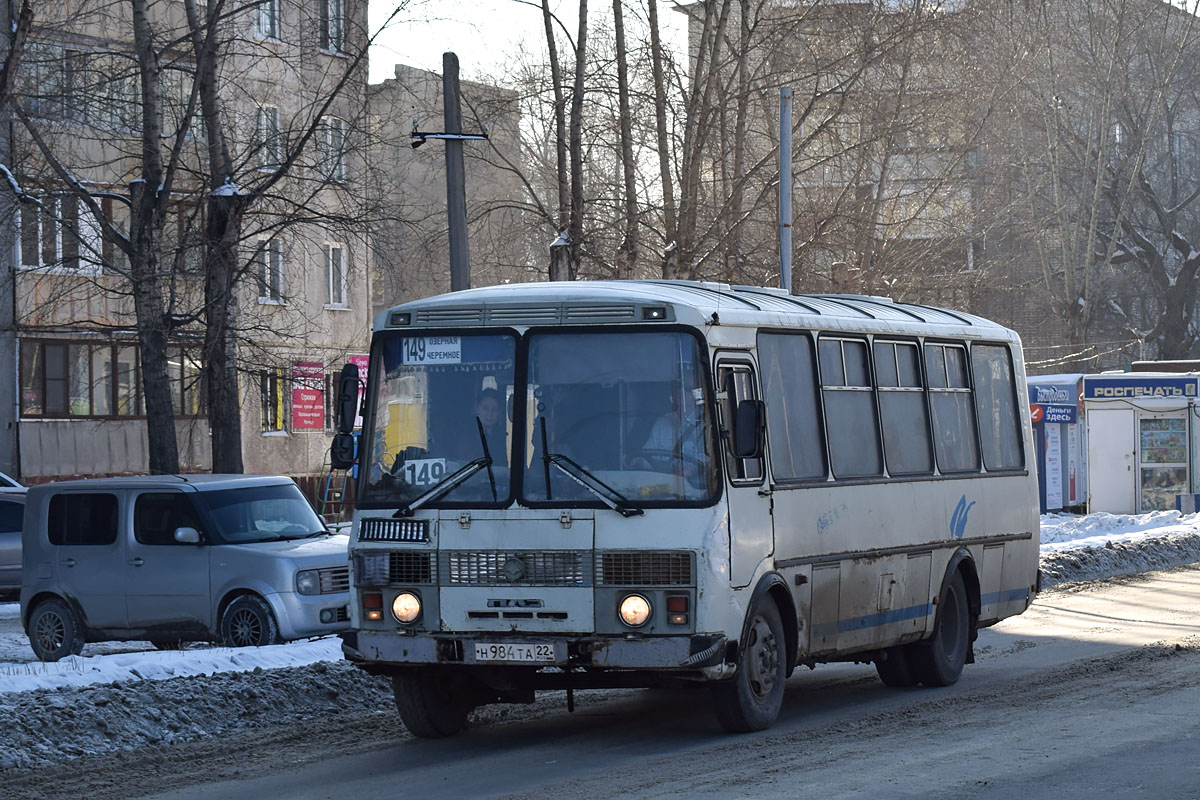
(333, 25)
(273, 398)
(333, 148)
(269, 262)
(266, 19)
(335, 273)
(69, 379)
(56, 230)
(267, 138)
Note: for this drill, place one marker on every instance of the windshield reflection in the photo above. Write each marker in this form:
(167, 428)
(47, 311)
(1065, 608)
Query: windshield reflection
(625, 410)
(627, 407)
(440, 403)
(261, 514)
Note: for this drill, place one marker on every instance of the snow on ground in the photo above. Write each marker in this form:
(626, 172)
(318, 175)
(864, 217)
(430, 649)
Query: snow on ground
(120, 696)
(1073, 548)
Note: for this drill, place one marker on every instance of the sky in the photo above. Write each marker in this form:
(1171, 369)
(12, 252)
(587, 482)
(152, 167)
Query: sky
(108, 662)
(486, 34)
(481, 32)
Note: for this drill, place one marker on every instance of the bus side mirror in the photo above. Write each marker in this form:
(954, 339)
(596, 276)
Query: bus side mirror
(347, 399)
(341, 450)
(748, 429)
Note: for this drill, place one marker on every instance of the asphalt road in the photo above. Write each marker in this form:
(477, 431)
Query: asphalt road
(1092, 692)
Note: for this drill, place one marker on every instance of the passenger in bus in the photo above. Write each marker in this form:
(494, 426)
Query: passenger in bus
(489, 412)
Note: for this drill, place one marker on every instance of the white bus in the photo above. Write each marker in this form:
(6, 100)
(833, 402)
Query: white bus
(665, 483)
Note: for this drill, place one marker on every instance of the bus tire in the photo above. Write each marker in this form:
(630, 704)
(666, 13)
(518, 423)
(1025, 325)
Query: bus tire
(894, 668)
(752, 699)
(432, 704)
(939, 660)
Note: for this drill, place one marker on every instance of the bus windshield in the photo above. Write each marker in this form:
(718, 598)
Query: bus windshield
(624, 417)
(618, 413)
(440, 403)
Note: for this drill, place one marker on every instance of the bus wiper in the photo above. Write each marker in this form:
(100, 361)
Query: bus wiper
(608, 495)
(446, 485)
(487, 456)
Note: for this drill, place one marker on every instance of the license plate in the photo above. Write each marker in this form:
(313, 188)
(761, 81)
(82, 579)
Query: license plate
(514, 651)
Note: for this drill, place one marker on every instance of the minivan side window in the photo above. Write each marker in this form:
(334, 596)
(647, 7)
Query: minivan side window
(11, 515)
(157, 515)
(82, 518)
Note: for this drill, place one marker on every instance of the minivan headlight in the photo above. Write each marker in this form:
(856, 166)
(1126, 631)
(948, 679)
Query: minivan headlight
(308, 581)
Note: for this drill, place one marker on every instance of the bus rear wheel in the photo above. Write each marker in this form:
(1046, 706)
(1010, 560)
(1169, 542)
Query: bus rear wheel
(432, 703)
(939, 660)
(751, 701)
(894, 668)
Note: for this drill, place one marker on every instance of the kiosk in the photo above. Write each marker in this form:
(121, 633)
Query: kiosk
(1141, 439)
(1059, 439)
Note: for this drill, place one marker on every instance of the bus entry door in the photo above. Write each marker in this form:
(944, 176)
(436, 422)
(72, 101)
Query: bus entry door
(751, 533)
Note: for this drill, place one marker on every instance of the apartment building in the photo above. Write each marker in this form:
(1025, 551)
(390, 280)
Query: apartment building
(410, 239)
(292, 92)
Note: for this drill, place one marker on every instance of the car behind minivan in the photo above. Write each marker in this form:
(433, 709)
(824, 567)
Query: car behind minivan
(238, 559)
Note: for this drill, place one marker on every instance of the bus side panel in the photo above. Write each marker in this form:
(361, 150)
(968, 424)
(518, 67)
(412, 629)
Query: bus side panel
(991, 570)
(826, 590)
(882, 600)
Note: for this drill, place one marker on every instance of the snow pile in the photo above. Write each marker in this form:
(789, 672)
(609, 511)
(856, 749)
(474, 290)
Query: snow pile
(1103, 545)
(161, 664)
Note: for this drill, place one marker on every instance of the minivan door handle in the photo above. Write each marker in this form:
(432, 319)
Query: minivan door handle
(136, 562)
(68, 562)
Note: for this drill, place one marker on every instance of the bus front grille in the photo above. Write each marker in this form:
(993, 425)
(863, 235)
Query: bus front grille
(516, 568)
(406, 567)
(379, 529)
(645, 569)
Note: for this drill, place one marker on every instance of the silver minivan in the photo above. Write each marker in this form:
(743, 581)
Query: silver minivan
(238, 559)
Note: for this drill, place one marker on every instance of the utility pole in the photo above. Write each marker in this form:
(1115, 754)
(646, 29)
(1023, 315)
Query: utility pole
(456, 180)
(785, 189)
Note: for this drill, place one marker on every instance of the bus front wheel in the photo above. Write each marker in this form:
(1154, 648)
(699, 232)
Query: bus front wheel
(751, 701)
(939, 660)
(432, 703)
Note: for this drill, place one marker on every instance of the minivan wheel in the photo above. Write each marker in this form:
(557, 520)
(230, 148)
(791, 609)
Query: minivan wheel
(248, 622)
(55, 631)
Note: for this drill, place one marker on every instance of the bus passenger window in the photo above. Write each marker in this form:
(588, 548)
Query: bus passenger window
(793, 409)
(995, 400)
(906, 445)
(953, 412)
(850, 419)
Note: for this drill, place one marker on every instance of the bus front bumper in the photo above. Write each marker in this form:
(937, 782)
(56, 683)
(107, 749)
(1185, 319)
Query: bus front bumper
(688, 652)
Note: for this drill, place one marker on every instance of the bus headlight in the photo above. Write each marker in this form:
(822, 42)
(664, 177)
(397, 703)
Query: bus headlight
(406, 607)
(635, 610)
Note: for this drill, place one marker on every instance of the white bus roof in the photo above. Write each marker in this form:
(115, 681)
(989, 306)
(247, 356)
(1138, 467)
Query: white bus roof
(688, 302)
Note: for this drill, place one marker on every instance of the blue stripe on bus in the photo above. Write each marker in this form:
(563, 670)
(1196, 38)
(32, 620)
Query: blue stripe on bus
(871, 620)
(1004, 596)
(903, 614)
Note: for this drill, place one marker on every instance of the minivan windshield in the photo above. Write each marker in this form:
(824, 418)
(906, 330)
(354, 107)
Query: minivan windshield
(260, 514)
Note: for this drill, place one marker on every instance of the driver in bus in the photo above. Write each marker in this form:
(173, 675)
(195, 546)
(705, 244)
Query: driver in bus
(675, 442)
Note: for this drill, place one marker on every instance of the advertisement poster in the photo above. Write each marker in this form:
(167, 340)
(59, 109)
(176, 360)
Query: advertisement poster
(308, 396)
(361, 363)
(1054, 485)
(1074, 478)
